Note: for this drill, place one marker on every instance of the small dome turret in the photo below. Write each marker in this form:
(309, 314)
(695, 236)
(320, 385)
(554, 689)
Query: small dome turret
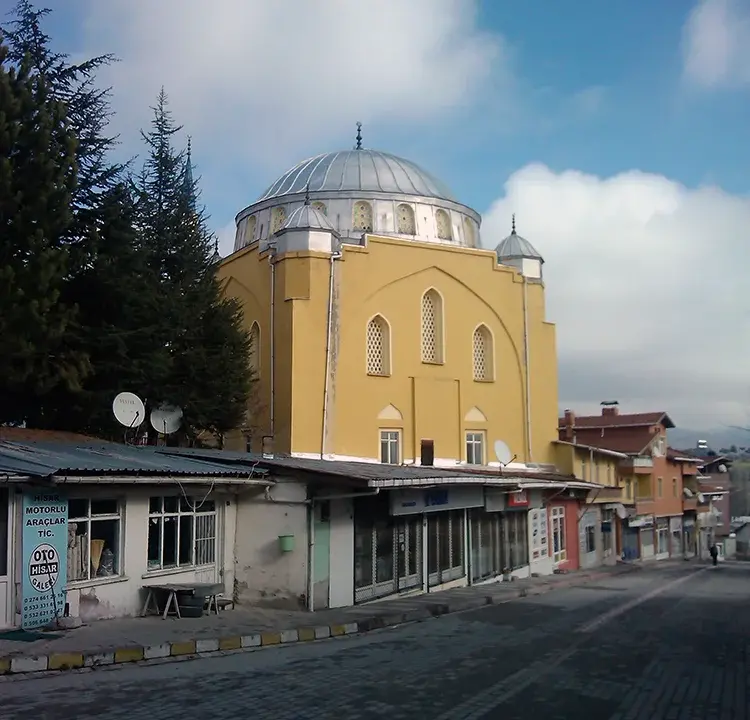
(518, 252)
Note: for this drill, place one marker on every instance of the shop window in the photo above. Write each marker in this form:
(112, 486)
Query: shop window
(662, 539)
(486, 544)
(445, 546)
(517, 540)
(181, 532)
(557, 515)
(589, 539)
(390, 447)
(475, 448)
(94, 538)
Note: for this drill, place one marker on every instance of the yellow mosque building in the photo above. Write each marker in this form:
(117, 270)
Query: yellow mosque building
(381, 329)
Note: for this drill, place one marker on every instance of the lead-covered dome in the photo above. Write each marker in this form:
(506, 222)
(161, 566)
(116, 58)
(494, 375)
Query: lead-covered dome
(358, 171)
(362, 192)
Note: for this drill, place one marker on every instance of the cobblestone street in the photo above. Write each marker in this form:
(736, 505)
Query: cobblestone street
(668, 643)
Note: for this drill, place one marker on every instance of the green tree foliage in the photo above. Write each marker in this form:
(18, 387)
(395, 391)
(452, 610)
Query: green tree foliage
(88, 112)
(37, 180)
(209, 375)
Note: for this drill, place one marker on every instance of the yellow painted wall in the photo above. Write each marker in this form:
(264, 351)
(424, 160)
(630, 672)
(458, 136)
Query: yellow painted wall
(590, 467)
(389, 277)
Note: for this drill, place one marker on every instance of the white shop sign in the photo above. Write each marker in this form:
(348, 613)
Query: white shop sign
(435, 499)
(538, 530)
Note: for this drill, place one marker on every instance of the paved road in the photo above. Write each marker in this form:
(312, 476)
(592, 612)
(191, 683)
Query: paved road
(663, 643)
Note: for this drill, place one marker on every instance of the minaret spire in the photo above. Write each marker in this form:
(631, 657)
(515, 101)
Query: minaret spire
(359, 136)
(307, 193)
(513, 225)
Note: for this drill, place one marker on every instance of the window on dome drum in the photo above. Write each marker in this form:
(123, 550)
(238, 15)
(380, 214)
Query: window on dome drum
(320, 207)
(254, 351)
(249, 230)
(278, 215)
(378, 346)
(475, 448)
(483, 359)
(432, 327)
(406, 223)
(443, 222)
(468, 233)
(362, 216)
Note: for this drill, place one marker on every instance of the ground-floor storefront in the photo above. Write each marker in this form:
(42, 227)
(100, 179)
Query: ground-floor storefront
(426, 540)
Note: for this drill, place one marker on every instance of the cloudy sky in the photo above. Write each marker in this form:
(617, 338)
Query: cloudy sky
(617, 131)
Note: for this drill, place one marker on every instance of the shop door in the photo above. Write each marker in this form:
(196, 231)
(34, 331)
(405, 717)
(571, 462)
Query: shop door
(5, 560)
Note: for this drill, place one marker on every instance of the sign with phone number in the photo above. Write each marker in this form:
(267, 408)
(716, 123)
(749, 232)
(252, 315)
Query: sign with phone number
(45, 555)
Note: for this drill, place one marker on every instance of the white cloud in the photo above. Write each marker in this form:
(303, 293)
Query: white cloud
(259, 80)
(225, 237)
(716, 43)
(647, 283)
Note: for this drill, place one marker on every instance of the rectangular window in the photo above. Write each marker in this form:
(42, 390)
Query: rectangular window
(662, 539)
(181, 532)
(516, 540)
(94, 538)
(674, 487)
(390, 447)
(557, 514)
(584, 472)
(590, 537)
(628, 489)
(659, 488)
(475, 448)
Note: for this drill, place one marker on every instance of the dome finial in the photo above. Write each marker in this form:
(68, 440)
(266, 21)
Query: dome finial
(307, 193)
(359, 136)
(513, 225)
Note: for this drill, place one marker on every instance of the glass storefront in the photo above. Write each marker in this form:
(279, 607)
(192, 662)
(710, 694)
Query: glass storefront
(445, 546)
(486, 544)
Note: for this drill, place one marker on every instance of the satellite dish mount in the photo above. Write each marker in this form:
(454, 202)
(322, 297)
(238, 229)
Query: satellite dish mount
(503, 453)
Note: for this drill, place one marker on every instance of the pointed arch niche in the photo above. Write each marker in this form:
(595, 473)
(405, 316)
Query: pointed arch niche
(483, 355)
(391, 413)
(475, 415)
(254, 350)
(378, 346)
(433, 345)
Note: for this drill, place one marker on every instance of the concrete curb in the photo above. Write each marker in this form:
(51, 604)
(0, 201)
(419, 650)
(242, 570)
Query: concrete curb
(25, 664)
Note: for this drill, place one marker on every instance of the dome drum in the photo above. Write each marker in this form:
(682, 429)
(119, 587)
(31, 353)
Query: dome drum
(433, 221)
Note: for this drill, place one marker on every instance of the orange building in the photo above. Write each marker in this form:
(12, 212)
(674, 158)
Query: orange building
(652, 522)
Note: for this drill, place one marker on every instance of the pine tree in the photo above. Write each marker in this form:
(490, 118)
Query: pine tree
(210, 375)
(37, 181)
(88, 111)
(119, 324)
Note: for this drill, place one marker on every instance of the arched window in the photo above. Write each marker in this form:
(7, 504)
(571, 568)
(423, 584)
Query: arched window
(483, 360)
(443, 222)
(432, 327)
(406, 224)
(320, 207)
(250, 230)
(378, 346)
(469, 233)
(362, 216)
(254, 350)
(278, 215)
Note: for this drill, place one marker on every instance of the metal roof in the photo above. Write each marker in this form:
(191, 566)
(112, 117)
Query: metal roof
(44, 458)
(383, 475)
(308, 217)
(358, 170)
(515, 247)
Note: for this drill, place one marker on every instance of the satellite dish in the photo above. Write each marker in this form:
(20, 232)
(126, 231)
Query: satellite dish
(622, 513)
(166, 419)
(722, 468)
(502, 452)
(656, 450)
(129, 409)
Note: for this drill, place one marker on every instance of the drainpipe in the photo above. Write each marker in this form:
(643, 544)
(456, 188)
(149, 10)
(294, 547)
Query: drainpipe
(272, 334)
(329, 331)
(529, 453)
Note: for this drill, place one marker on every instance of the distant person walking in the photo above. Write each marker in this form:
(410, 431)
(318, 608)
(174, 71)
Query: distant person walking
(714, 553)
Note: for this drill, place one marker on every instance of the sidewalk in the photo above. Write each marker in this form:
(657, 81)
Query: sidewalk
(109, 642)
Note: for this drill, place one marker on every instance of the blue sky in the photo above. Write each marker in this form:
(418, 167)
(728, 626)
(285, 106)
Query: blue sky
(617, 131)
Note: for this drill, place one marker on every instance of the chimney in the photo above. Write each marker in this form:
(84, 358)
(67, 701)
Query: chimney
(427, 452)
(570, 423)
(610, 411)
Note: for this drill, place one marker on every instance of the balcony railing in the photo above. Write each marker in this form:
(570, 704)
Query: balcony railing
(640, 464)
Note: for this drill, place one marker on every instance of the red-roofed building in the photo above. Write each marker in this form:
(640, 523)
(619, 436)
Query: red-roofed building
(653, 525)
